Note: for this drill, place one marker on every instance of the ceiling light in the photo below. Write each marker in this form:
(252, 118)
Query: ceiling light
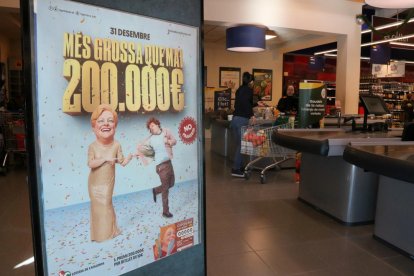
(334, 55)
(370, 43)
(245, 39)
(388, 4)
(270, 34)
(402, 44)
(325, 52)
(386, 26)
(387, 40)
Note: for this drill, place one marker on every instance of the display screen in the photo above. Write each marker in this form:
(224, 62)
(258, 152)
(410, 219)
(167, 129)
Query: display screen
(374, 105)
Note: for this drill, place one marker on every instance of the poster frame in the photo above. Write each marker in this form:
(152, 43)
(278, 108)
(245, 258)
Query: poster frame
(222, 79)
(257, 89)
(33, 145)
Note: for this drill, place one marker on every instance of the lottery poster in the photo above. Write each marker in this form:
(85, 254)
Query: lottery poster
(118, 137)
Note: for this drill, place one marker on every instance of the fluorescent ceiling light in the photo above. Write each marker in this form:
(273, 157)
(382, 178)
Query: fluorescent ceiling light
(391, 4)
(270, 34)
(387, 40)
(402, 44)
(325, 52)
(334, 55)
(405, 61)
(369, 43)
(386, 26)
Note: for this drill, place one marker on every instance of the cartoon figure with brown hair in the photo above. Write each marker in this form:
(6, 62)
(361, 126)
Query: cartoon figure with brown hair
(166, 244)
(158, 146)
(103, 154)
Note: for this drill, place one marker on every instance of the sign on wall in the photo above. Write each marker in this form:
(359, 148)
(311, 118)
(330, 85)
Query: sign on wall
(262, 84)
(116, 104)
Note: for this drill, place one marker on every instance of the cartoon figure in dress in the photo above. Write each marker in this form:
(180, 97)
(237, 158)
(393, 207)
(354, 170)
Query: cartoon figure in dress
(158, 146)
(103, 154)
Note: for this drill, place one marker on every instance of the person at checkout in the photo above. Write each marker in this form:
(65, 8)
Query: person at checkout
(288, 104)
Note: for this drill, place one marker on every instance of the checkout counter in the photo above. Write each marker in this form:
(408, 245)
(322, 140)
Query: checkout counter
(394, 163)
(328, 183)
(340, 189)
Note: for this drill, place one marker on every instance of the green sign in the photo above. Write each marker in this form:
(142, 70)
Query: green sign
(312, 102)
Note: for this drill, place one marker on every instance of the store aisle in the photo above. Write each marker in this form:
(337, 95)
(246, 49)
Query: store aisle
(252, 229)
(262, 229)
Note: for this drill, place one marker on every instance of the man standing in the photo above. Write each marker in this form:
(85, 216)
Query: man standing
(243, 112)
(160, 143)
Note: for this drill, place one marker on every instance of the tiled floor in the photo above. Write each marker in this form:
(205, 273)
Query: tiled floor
(262, 229)
(252, 229)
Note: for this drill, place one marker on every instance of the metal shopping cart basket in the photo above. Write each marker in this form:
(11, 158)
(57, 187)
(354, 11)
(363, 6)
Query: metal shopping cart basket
(12, 137)
(256, 141)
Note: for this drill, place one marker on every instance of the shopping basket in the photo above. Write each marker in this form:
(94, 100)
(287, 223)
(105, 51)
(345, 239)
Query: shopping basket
(256, 141)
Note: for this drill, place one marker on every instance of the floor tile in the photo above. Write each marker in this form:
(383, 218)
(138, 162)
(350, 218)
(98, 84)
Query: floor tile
(240, 264)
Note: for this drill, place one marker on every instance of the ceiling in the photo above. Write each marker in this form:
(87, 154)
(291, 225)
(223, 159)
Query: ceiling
(10, 28)
(217, 34)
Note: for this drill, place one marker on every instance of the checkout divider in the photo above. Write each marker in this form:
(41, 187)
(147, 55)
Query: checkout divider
(394, 163)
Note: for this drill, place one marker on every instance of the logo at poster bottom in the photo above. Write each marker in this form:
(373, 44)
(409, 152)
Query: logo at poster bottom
(64, 273)
(187, 130)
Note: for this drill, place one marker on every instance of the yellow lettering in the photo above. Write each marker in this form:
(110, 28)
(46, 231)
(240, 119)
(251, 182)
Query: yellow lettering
(71, 103)
(155, 55)
(138, 51)
(163, 89)
(107, 50)
(123, 52)
(90, 86)
(86, 51)
(109, 84)
(68, 45)
(162, 53)
(169, 57)
(149, 100)
(148, 55)
(133, 88)
(176, 58)
(97, 53)
(177, 78)
(114, 51)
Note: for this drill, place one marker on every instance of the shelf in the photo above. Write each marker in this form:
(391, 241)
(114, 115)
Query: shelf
(392, 100)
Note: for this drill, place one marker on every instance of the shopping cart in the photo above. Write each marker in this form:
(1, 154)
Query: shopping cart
(12, 137)
(256, 141)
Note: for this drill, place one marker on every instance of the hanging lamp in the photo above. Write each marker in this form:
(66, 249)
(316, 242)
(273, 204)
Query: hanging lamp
(391, 4)
(245, 39)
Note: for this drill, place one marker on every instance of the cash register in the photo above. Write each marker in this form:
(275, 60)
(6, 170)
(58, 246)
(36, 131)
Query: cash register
(375, 105)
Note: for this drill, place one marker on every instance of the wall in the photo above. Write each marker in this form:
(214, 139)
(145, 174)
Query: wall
(333, 18)
(215, 56)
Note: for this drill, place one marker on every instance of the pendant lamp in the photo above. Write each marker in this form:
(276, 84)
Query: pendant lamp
(245, 39)
(391, 4)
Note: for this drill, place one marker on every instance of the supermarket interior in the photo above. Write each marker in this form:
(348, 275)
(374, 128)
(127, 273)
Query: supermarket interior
(325, 187)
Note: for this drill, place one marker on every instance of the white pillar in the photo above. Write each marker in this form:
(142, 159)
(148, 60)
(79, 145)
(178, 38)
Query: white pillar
(348, 65)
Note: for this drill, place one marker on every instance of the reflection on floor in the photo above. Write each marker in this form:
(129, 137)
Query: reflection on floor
(252, 229)
(15, 228)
